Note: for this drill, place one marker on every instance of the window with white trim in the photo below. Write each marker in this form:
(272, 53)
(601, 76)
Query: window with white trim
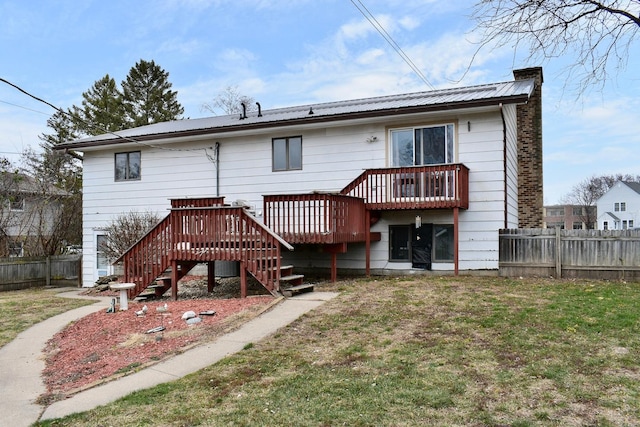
(128, 166)
(287, 153)
(443, 242)
(429, 145)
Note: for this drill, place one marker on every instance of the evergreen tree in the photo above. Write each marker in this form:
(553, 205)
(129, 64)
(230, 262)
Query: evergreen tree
(102, 108)
(147, 96)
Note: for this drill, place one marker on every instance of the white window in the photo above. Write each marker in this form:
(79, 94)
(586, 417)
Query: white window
(127, 166)
(287, 153)
(605, 225)
(430, 145)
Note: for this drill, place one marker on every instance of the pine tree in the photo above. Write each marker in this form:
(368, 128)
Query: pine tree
(147, 96)
(102, 108)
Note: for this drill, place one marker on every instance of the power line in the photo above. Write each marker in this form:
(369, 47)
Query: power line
(374, 22)
(23, 107)
(91, 125)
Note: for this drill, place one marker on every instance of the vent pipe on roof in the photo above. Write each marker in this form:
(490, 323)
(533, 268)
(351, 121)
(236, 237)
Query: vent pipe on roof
(259, 109)
(244, 111)
(310, 110)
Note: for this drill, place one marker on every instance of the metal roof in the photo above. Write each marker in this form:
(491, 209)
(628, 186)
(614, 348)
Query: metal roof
(517, 91)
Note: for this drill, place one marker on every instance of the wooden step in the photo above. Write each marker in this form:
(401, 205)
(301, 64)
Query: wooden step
(286, 270)
(298, 289)
(292, 280)
(159, 289)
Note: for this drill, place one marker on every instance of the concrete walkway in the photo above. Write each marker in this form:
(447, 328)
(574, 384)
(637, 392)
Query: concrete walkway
(22, 361)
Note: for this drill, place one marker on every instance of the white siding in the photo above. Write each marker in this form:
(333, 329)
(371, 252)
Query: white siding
(619, 193)
(481, 150)
(511, 123)
(332, 157)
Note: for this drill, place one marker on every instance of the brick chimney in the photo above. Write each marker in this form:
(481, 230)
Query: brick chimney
(529, 116)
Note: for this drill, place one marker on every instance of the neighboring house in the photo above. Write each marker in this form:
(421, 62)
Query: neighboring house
(391, 184)
(619, 208)
(27, 214)
(570, 217)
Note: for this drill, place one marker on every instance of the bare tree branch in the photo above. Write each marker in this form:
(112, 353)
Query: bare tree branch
(600, 34)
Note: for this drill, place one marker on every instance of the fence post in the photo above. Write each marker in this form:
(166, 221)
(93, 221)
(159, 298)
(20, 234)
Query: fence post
(48, 271)
(558, 254)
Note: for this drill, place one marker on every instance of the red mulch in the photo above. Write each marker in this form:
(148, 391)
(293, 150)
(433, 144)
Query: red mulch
(101, 345)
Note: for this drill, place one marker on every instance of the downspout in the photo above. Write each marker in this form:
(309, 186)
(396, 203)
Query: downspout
(217, 154)
(504, 164)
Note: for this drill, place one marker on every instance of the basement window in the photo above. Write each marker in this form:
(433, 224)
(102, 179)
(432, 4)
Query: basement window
(127, 166)
(287, 153)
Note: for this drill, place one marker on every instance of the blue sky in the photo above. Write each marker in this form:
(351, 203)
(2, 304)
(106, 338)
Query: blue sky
(290, 52)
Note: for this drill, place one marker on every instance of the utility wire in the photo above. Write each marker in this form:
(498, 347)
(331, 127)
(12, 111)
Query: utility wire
(101, 129)
(374, 22)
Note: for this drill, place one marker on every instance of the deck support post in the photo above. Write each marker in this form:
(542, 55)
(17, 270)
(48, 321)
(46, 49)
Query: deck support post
(334, 267)
(456, 214)
(174, 280)
(211, 276)
(334, 249)
(243, 280)
(367, 244)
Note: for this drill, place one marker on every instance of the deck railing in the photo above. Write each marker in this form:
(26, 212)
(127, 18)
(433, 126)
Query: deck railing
(231, 234)
(413, 187)
(316, 218)
(203, 232)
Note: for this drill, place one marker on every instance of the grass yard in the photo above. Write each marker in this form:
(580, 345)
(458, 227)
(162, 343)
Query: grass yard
(21, 309)
(416, 351)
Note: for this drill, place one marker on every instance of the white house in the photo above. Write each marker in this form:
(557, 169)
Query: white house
(392, 184)
(619, 208)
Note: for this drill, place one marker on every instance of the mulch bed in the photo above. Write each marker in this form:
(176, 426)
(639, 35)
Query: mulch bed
(102, 346)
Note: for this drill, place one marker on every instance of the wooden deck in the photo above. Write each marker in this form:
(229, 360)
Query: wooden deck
(203, 230)
(415, 187)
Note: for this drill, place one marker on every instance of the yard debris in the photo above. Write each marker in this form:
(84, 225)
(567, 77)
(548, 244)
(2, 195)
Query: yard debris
(142, 312)
(112, 306)
(188, 315)
(208, 313)
(156, 329)
(162, 308)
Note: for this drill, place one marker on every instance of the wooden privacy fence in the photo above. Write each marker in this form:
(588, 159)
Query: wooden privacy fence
(596, 254)
(23, 273)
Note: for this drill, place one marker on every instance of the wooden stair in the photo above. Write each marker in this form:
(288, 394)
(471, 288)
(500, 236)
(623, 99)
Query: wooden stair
(204, 232)
(292, 284)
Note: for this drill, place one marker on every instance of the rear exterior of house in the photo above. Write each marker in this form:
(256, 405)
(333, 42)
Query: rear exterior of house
(386, 185)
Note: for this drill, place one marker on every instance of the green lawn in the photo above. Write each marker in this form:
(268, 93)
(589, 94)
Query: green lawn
(21, 309)
(418, 351)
